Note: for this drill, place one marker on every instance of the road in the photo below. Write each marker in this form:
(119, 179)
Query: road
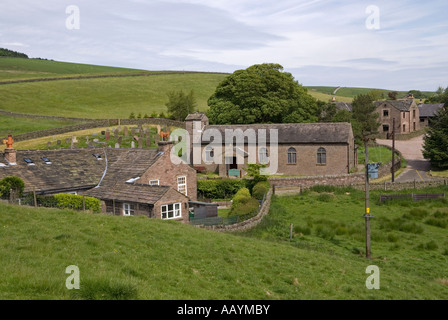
(417, 167)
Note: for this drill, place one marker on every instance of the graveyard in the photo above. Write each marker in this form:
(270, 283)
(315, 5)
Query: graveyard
(137, 136)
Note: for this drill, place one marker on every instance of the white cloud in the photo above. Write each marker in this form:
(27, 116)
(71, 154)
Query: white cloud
(217, 35)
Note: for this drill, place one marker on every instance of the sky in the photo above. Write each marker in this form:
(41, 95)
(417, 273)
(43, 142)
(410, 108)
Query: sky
(396, 45)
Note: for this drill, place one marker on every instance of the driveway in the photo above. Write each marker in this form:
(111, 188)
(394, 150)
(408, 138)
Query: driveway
(417, 166)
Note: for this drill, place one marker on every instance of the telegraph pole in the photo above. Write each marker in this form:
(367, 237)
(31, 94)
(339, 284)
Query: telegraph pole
(367, 211)
(393, 150)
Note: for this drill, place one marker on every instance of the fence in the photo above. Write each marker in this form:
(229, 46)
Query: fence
(413, 196)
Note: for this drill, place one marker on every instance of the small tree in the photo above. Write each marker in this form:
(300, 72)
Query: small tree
(435, 146)
(11, 184)
(180, 104)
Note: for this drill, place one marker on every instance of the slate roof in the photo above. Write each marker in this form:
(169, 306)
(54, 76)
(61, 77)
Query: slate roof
(295, 133)
(195, 116)
(132, 192)
(429, 110)
(344, 106)
(76, 169)
(401, 105)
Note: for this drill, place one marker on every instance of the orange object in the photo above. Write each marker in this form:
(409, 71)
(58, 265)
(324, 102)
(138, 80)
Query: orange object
(8, 142)
(164, 134)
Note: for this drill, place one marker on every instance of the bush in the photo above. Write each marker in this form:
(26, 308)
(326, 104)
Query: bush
(219, 188)
(11, 183)
(243, 203)
(73, 201)
(260, 189)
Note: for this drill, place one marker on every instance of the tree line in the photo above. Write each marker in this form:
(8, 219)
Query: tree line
(10, 53)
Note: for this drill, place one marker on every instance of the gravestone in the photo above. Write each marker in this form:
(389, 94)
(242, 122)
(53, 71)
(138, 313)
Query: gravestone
(132, 144)
(107, 135)
(95, 134)
(68, 140)
(49, 144)
(119, 140)
(116, 133)
(140, 143)
(132, 131)
(126, 133)
(58, 142)
(117, 146)
(148, 142)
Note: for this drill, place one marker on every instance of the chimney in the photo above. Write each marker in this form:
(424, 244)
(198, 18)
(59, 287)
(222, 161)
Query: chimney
(165, 146)
(10, 153)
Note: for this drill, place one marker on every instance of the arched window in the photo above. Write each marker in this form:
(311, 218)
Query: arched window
(263, 155)
(292, 155)
(321, 156)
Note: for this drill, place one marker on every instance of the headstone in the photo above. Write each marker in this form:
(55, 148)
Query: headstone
(148, 142)
(87, 139)
(119, 139)
(74, 140)
(95, 134)
(58, 142)
(156, 138)
(140, 143)
(132, 144)
(117, 145)
(68, 140)
(49, 144)
(107, 135)
(126, 133)
(116, 131)
(96, 140)
(132, 131)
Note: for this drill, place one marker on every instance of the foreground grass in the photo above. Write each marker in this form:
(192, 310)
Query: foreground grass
(141, 258)
(409, 239)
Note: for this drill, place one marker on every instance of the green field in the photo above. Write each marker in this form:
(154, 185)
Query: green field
(19, 69)
(141, 258)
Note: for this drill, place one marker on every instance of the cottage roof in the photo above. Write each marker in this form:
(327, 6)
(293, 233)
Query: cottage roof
(132, 192)
(429, 110)
(195, 116)
(344, 106)
(401, 105)
(295, 133)
(75, 169)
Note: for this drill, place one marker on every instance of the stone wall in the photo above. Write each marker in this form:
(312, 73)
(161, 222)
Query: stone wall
(249, 223)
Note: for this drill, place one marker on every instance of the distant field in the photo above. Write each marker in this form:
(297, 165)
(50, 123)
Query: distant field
(14, 126)
(105, 97)
(19, 68)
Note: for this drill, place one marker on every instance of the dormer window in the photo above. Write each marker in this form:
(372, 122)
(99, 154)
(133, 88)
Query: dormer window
(97, 156)
(29, 161)
(46, 160)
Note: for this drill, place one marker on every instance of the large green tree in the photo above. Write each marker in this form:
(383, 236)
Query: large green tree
(262, 93)
(364, 117)
(435, 146)
(180, 104)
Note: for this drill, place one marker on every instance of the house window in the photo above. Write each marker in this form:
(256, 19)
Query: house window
(385, 113)
(404, 115)
(154, 182)
(182, 185)
(209, 154)
(128, 209)
(385, 128)
(321, 156)
(263, 155)
(404, 128)
(413, 113)
(292, 156)
(171, 211)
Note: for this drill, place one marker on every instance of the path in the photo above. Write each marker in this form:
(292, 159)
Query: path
(417, 166)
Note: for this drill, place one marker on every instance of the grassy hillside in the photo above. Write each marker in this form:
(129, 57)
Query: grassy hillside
(140, 258)
(19, 68)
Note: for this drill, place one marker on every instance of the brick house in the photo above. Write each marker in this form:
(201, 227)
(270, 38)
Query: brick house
(405, 112)
(131, 181)
(303, 148)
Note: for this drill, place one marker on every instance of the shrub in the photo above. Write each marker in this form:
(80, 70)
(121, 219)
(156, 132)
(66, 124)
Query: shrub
(305, 230)
(11, 183)
(430, 245)
(417, 213)
(436, 222)
(325, 197)
(219, 188)
(260, 189)
(243, 203)
(73, 201)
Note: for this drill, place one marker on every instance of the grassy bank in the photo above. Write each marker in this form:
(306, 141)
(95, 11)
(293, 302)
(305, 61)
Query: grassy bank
(141, 258)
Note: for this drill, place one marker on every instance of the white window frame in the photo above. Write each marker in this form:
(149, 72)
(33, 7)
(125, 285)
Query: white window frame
(127, 210)
(154, 182)
(182, 187)
(176, 211)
